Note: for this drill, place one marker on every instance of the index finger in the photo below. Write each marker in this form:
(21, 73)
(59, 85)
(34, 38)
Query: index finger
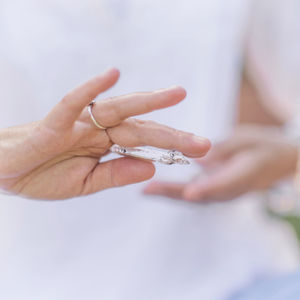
(111, 112)
(66, 112)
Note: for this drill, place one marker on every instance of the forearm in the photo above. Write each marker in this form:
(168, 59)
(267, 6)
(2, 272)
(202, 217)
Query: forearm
(251, 107)
(253, 111)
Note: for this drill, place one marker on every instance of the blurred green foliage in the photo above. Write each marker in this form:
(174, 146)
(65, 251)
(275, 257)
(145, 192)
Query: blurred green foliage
(295, 222)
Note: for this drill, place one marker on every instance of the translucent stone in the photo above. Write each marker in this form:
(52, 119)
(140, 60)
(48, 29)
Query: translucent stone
(168, 157)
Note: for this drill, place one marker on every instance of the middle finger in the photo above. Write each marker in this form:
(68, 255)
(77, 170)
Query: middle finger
(134, 132)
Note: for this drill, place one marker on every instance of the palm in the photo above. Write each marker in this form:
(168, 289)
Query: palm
(66, 179)
(66, 161)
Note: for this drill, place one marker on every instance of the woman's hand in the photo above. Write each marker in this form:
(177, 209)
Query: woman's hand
(253, 158)
(58, 157)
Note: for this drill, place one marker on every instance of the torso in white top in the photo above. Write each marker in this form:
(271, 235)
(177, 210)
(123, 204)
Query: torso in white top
(119, 245)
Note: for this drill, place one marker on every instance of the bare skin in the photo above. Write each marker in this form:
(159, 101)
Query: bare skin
(255, 157)
(58, 157)
(252, 159)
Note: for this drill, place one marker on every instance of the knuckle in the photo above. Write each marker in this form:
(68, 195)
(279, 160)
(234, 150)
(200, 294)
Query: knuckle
(177, 134)
(139, 123)
(177, 139)
(141, 126)
(110, 112)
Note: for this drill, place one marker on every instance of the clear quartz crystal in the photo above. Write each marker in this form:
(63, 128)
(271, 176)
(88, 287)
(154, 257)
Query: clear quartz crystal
(168, 157)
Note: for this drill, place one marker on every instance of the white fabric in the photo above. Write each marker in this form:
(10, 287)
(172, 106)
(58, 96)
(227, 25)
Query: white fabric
(273, 59)
(119, 245)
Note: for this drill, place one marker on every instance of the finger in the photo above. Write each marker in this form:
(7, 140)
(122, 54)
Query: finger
(242, 138)
(113, 111)
(134, 132)
(66, 112)
(233, 179)
(118, 172)
(220, 152)
(166, 189)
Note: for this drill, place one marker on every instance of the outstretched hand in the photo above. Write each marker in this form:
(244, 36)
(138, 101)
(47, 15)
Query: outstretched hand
(253, 158)
(58, 157)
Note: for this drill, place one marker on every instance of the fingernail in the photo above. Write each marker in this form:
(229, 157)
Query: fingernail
(200, 140)
(167, 89)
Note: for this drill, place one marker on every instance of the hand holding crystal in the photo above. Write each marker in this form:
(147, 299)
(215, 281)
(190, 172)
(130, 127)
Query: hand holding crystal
(59, 156)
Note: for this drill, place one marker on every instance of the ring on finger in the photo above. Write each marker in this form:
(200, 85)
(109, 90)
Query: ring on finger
(90, 107)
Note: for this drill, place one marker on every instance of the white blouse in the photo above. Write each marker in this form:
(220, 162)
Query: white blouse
(119, 245)
(272, 58)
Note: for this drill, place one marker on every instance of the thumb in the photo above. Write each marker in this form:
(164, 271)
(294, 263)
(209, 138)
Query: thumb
(118, 172)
